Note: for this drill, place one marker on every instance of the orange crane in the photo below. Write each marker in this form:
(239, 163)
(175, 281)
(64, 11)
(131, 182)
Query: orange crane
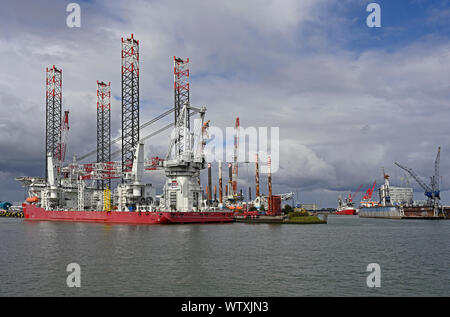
(369, 192)
(352, 196)
(366, 200)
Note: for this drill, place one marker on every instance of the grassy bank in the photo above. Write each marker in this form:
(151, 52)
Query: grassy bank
(304, 220)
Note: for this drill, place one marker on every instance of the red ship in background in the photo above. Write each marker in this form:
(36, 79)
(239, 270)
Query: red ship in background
(346, 206)
(80, 192)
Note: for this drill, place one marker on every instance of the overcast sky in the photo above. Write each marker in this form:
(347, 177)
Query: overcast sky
(348, 99)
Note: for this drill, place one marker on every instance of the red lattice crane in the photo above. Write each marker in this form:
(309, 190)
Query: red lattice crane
(352, 196)
(369, 192)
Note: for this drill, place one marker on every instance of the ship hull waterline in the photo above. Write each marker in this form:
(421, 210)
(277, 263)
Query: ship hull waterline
(347, 212)
(33, 213)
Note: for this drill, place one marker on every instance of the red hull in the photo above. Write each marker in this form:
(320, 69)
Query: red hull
(347, 212)
(32, 212)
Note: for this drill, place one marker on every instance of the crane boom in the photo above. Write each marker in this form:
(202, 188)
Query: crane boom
(62, 146)
(116, 140)
(432, 191)
(422, 184)
(144, 125)
(356, 192)
(435, 183)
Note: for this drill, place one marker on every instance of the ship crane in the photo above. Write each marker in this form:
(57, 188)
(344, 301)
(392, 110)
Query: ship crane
(432, 191)
(182, 165)
(352, 196)
(369, 192)
(367, 198)
(435, 180)
(182, 145)
(287, 196)
(146, 124)
(60, 157)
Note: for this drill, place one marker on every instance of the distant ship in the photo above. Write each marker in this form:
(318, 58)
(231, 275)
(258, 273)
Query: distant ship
(346, 206)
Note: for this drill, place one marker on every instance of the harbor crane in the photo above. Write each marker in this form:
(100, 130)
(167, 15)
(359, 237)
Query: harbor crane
(369, 192)
(62, 145)
(352, 196)
(432, 191)
(367, 198)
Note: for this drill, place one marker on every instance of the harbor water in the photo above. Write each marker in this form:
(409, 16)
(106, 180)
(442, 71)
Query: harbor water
(235, 259)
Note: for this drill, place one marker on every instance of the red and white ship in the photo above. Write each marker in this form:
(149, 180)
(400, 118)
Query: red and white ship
(76, 192)
(346, 207)
(68, 196)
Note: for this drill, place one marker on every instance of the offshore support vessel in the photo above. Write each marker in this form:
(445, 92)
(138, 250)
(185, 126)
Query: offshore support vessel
(65, 194)
(346, 207)
(78, 192)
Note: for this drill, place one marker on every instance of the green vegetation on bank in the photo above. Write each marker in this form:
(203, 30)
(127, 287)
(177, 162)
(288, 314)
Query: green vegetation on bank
(287, 209)
(303, 217)
(305, 220)
(296, 214)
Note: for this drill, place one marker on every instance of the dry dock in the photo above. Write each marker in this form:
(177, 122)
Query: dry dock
(405, 212)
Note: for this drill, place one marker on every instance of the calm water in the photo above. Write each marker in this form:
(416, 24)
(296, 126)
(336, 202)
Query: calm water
(226, 259)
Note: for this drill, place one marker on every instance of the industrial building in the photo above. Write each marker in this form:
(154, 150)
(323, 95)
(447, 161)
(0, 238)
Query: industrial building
(399, 195)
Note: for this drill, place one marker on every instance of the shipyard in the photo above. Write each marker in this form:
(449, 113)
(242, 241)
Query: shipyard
(82, 192)
(73, 191)
(210, 155)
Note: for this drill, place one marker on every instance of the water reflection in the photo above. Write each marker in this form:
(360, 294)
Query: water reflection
(225, 259)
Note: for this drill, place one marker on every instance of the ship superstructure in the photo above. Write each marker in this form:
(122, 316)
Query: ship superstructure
(182, 166)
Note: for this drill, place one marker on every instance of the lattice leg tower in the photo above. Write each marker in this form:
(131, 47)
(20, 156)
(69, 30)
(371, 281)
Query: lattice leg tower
(181, 92)
(130, 100)
(103, 128)
(53, 113)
